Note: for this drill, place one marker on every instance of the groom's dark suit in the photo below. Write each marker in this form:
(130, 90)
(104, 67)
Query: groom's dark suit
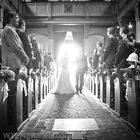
(81, 69)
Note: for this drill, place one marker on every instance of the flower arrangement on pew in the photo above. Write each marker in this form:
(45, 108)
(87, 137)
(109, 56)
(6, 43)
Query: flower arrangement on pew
(23, 74)
(38, 72)
(6, 75)
(45, 73)
(105, 71)
(32, 73)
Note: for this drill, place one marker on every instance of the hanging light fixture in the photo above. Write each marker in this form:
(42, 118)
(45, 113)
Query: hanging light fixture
(69, 36)
(130, 26)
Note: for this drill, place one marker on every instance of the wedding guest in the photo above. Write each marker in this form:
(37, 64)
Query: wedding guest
(98, 56)
(26, 41)
(82, 67)
(111, 48)
(13, 54)
(37, 61)
(124, 49)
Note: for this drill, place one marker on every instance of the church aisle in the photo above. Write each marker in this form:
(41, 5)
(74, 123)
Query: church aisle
(74, 116)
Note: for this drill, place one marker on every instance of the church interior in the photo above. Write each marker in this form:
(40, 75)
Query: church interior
(44, 100)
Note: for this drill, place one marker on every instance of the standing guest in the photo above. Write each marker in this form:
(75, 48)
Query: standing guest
(38, 60)
(136, 44)
(25, 40)
(90, 62)
(0, 57)
(82, 67)
(133, 43)
(124, 49)
(111, 48)
(48, 61)
(13, 54)
(97, 56)
(132, 37)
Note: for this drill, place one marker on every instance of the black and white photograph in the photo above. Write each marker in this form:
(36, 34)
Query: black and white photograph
(69, 69)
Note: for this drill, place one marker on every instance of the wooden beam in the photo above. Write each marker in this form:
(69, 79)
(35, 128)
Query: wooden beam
(126, 8)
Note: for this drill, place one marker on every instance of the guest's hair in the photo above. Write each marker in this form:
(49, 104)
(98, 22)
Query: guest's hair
(111, 30)
(21, 22)
(100, 44)
(125, 30)
(132, 34)
(9, 16)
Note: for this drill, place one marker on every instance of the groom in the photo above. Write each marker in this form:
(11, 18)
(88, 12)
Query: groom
(81, 63)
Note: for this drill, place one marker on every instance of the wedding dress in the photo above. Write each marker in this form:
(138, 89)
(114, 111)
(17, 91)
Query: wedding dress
(64, 84)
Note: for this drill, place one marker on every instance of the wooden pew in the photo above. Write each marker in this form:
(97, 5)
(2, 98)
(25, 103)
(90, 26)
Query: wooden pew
(96, 85)
(45, 83)
(109, 90)
(101, 86)
(3, 111)
(133, 92)
(30, 91)
(19, 102)
(21, 97)
(117, 91)
(40, 86)
(36, 88)
(93, 83)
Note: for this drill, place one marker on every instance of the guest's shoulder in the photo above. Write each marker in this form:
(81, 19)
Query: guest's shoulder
(8, 30)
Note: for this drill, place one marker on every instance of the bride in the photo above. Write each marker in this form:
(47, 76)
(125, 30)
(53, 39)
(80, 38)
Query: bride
(66, 69)
(64, 84)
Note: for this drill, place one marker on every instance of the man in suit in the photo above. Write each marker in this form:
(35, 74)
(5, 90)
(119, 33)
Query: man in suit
(13, 54)
(124, 49)
(110, 49)
(81, 69)
(26, 41)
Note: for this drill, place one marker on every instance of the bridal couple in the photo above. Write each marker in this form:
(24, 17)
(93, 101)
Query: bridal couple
(71, 77)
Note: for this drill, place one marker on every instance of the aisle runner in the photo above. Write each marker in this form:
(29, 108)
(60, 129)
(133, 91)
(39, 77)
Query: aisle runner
(75, 125)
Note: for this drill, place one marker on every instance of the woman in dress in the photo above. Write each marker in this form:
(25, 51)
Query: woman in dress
(66, 77)
(64, 84)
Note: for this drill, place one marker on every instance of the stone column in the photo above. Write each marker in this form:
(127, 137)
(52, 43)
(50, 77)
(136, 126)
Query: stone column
(1, 18)
(86, 41)
(1, 28)
(1, 22)
(49, 9)
(51, 39)
(137, 18)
